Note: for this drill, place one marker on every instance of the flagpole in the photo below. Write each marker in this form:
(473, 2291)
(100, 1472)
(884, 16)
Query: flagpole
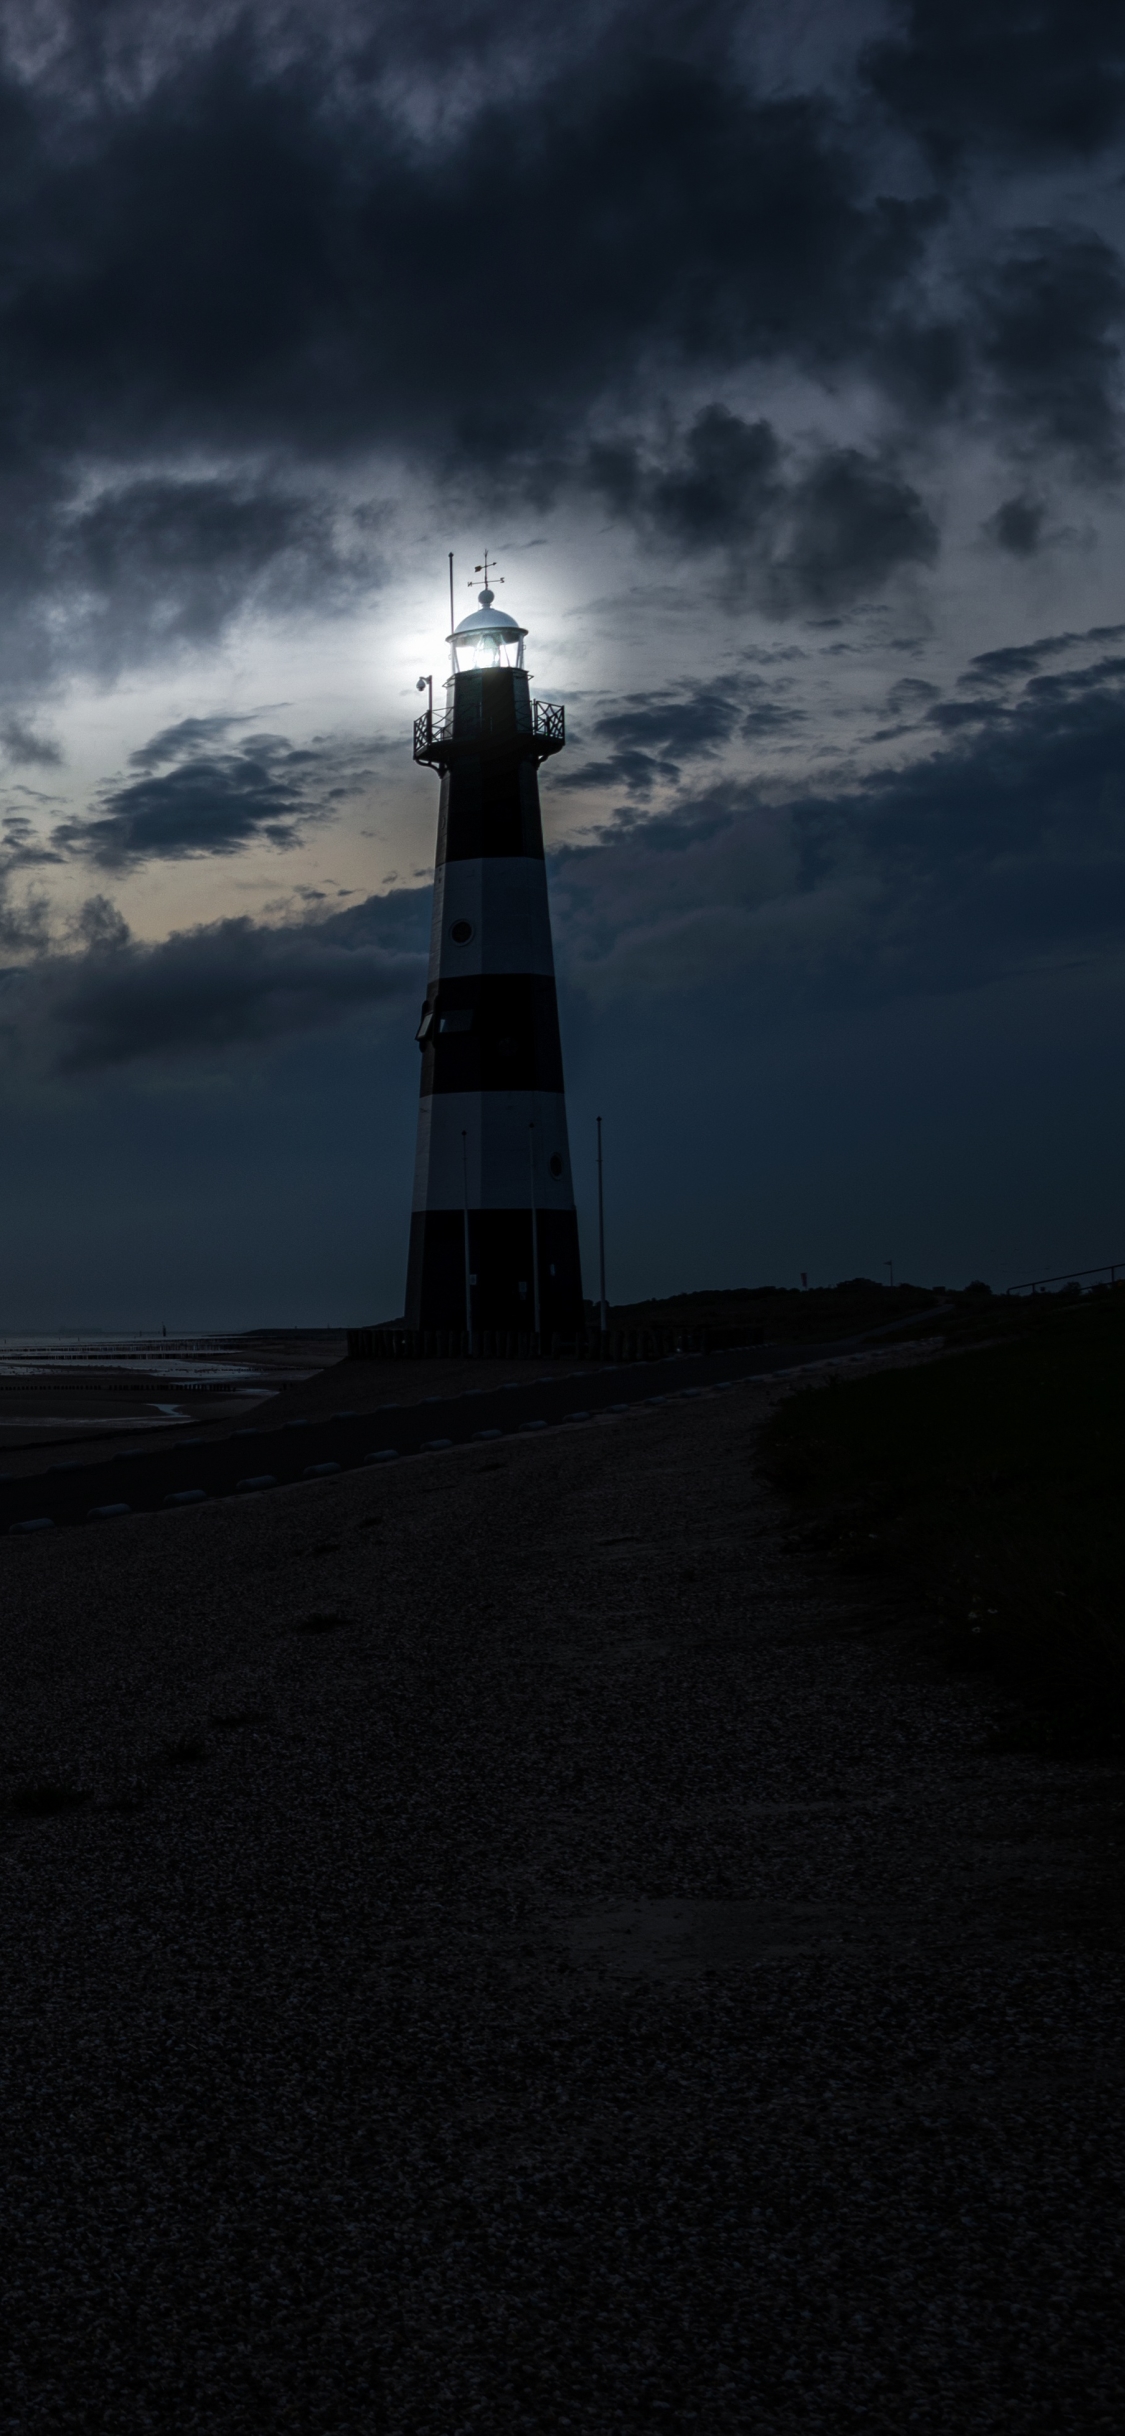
(465, 1206)
(534, 1228)
(601, 1237)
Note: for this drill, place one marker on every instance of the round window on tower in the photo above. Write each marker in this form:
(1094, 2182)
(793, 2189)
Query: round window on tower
(555, 1164)
(461, 933)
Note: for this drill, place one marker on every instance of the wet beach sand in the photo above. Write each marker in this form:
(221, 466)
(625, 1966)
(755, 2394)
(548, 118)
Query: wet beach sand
(506, 1943)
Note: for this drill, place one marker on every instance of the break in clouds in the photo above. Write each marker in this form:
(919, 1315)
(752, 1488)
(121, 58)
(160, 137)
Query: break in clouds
(997, 849)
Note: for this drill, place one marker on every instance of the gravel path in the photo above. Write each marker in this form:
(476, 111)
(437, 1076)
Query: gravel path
(535, 1957)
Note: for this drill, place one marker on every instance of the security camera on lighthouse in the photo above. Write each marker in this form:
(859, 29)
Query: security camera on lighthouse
(494, 1235)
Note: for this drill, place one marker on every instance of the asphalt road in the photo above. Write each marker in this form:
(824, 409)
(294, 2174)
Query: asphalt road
(273, 1452)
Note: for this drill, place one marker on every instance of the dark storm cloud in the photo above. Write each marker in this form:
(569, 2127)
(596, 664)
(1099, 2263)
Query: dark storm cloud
(198, 735)
(1017, 525)
(911, 695)
(1003, 849)
(150, 565)
(23, 744)
(200, 789)
(907, 703)
(649, 742)
(854, 523)
(21, 845)
(160, 562)
(769, 719)
(686, 724)
(1036, 77)
(215, 990)
(1033, 355)
(1050, 343)
(724, 482)
(252, 249)
(25, 925)
(803, 537)
(243, 254)
(1019, 660)
(984, 714)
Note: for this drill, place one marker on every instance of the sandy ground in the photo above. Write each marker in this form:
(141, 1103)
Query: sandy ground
(535, 1955)
(56, 1399)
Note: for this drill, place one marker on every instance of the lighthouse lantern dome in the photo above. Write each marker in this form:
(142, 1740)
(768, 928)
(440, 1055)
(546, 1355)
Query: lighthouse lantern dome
(487, 638)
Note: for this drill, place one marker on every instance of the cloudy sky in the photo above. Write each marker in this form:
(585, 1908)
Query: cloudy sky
(777, 355)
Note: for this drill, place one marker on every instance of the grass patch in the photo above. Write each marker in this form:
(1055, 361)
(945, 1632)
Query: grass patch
(46, 1801)
(991, 1483)
(190, 1752)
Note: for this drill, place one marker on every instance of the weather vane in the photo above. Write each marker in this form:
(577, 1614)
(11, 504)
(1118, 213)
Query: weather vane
(485, 564)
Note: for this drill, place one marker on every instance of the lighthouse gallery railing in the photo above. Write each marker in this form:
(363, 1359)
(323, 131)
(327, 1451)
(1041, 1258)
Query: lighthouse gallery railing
(434, 737)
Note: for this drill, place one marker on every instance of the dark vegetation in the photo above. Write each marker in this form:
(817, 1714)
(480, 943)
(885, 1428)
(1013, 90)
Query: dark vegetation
(45, 1801)
(786, 1315)
(990, 1484)
(190, 1752)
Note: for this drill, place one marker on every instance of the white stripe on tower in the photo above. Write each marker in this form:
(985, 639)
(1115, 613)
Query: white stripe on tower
(495, 1127)
(490, 916)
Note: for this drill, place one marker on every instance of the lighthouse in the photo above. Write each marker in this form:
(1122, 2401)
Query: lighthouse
(493, 1232)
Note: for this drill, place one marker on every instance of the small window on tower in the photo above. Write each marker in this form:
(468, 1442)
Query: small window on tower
(459, 1019)
(555, 1164)
(461, 933)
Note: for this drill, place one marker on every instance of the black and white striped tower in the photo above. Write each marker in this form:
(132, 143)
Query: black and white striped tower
(493, 1235)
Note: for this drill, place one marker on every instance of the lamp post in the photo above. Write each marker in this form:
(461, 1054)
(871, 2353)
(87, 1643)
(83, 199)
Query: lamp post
(604, 1320)
(465, 1213)
(534, 1232)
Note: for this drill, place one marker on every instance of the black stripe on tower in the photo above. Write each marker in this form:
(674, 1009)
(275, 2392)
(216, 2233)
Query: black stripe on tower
(489, 808)
(500, 1259)
(488, 750)
(492, 1032)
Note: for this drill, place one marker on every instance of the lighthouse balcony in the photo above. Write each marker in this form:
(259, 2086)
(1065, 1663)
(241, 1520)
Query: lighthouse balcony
(441, 741)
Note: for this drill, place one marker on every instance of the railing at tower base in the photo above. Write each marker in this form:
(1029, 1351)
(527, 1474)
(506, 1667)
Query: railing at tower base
(396, 1344)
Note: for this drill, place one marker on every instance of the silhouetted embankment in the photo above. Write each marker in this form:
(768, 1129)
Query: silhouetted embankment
(991, 1484)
